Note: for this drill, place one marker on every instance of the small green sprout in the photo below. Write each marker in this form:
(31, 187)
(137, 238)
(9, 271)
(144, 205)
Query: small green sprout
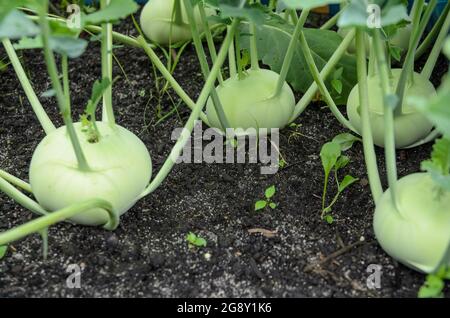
(3, 250)
(262, 204)
(195, 241)
(434, 284)
(336, 82)
(333, 160)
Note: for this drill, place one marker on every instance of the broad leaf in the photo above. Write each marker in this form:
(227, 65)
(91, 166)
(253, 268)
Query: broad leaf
(270, 192)
(240, 9)
(307, 4)
(273, 40)
(116, 10)
(346, 140)
(329, 155)
(16, 25)
(346, 182)
(439, 165)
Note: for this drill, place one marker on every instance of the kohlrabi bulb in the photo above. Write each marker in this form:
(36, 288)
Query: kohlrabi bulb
(410, 127)
(418, 233)
(120, 170)
(249, 102)
(158, 24)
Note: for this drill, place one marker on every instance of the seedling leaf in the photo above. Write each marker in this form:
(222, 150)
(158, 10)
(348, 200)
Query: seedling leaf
(259, 205)
(195, 240)
(3, 250)
(329, 155)
(346, 140)
(270, 192)
(346, 182)
(272, 205)
(337, 85)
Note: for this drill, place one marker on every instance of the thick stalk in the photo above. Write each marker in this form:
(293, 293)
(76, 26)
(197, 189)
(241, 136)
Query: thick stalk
(62, 101)
(168, 76)
(15, 181)
(290, 52)
(431, 37)
(232, 58)
(368, 145)
(204, 65)
(209, 37)
(327, 69)
(45, 221)
(321, 84)
(20, 198)
(65, 78)
(408, 66)
(389, 130)
(41, 115)
(210, 82)
(437, 48)
(254, 48)
(107, 60)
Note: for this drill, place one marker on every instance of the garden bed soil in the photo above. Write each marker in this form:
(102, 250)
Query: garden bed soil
(148, 256)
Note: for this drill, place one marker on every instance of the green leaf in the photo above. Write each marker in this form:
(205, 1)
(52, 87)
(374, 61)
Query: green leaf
(270, 192)
(3, 250)
(308, 4)
(329, 219)
(439, 164)
(342, 162)
(357, 13)
(116, 10)
(259, 205)
(240, 9)
(16, 25)
(273, 40)
(346, 140)
(337, 85)
(71, 47)
(272, 205)
(195, 240)
(329, 155)
(432, 288)
(395, 52)
(346, 182)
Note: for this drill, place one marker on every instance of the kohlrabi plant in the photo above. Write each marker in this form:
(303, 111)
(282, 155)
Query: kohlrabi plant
(412, 217)
(165, 22)
(92, 171)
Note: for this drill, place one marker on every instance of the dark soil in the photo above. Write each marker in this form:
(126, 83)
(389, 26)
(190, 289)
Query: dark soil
(148, 254)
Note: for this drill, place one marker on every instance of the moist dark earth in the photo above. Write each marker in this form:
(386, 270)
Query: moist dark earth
(148, 256)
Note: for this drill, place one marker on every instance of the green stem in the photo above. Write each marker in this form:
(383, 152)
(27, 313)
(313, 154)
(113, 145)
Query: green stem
(45, 221)
(65, 77)
(62, 101)
(290, 52)
(368, 145)
(332, 22)
(20, 198)
(168, 76)
(408, 66)
(372, 59)
(293, 15)
(232, 58)
(327, 69)
(431, 37)
(237, 44)
(107, 60)
(324, 192)
(389, 129)
(41, 115)
(15, 181)
(209, 37)
(437, 48)
(177, 13)
(210, 82)
(254, 48)
(204, 65)
(321, 84)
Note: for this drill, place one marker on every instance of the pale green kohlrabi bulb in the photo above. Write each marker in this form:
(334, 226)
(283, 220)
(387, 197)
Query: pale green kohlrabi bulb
(249, 102)
(418, 234)
(410, 127)
(120, 170)
(157, 22)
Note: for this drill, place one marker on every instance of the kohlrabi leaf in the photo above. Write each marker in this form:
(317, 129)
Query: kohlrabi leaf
(307, 4)
(342, 162)
(329, 155)
(97, 92)
(439, 164)
(116, 10)
(16, 25)
(254, 13)
(273, 39)
(377, 13)
(72, 47)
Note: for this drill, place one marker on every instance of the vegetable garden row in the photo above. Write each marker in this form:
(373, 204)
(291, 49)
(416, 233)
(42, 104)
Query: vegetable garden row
(261, 69)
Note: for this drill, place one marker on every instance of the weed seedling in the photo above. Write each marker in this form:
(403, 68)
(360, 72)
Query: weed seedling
(195, 241)
(434, 284)
(267, 201)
